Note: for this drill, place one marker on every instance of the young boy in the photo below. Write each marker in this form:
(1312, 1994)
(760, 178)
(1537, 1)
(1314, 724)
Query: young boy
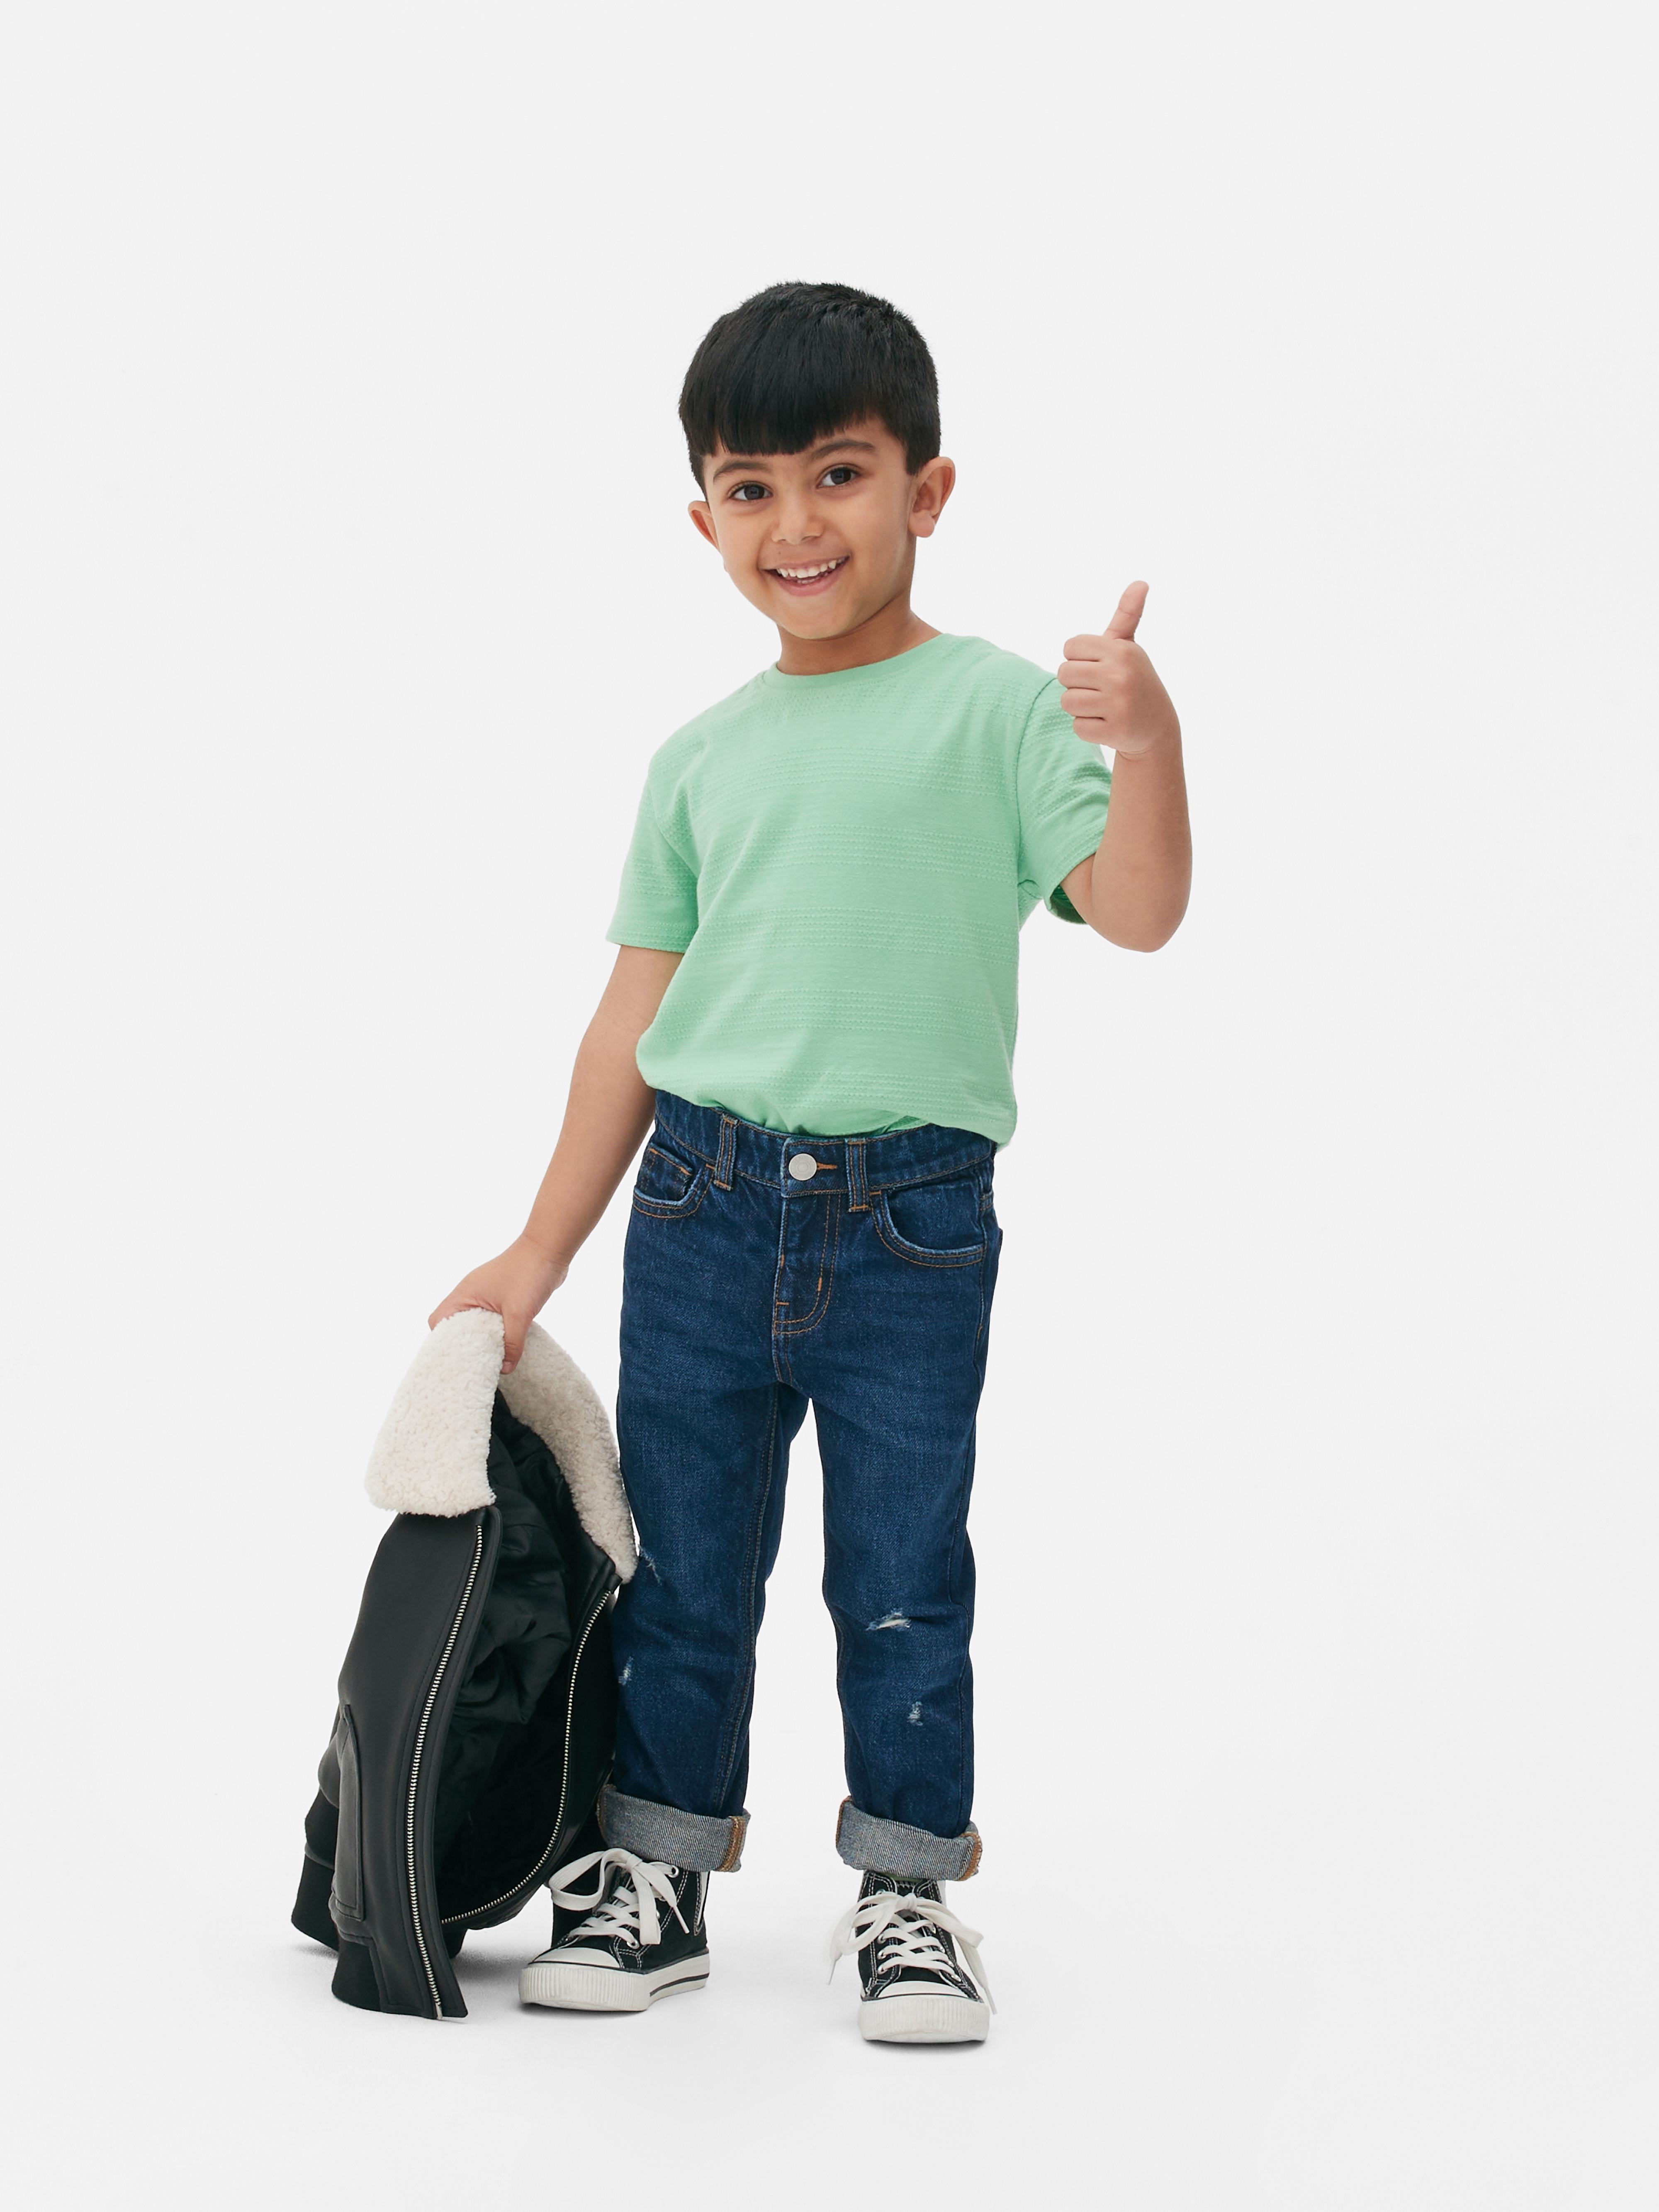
(814, 999)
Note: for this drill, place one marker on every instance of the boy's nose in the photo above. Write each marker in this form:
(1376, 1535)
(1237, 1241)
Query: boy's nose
(795, 525)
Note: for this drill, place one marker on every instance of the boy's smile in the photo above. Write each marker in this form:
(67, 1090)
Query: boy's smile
(823, 541)
(801, 582)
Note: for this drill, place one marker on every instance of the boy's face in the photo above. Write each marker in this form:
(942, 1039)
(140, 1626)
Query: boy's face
(822, 540)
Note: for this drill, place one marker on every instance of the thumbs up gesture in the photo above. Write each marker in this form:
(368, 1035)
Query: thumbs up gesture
(1111, 690)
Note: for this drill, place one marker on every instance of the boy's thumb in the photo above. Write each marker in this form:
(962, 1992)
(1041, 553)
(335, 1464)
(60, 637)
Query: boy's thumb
(1128, 610)
(513, 1349)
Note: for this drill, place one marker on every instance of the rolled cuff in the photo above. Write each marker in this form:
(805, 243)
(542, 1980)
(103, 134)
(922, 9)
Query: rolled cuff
(913, 1854)
(701, 1841)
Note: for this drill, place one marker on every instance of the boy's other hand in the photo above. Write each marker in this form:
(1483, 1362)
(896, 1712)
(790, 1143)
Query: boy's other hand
(516, 1283)
(1112, 691)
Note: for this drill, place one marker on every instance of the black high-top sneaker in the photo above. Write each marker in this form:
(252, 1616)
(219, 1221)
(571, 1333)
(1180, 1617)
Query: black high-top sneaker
(640, 1938)
(915, 1988)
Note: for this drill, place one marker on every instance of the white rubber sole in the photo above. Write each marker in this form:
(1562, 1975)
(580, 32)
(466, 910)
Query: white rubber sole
(574, 1988)
(923, 2019)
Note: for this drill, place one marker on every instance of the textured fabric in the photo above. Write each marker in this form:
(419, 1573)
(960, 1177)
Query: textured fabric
(662, 1832)
(909, 1854)
(845, 861)
(432, 1453)
(749, 1292)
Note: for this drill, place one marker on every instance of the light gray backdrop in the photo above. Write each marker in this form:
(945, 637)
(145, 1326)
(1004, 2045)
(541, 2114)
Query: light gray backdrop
(348, 589)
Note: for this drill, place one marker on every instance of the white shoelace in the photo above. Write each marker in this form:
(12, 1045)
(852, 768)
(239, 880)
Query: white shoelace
(632, 1912)
(905, 1929)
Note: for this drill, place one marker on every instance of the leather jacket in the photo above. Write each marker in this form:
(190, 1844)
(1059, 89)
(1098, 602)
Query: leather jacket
(477, 1700)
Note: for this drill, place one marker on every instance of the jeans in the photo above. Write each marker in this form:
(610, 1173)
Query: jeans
(762, 1270)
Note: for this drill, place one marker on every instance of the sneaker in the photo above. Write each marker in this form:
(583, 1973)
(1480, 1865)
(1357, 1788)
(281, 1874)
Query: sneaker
(625, 1953)
(915, 1988)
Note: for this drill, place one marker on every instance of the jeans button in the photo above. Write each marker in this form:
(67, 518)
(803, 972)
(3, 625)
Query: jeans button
(802, 1167)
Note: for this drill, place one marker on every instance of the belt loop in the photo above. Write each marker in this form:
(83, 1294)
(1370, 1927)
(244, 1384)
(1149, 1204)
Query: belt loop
(728, 1152)
(858, 1191)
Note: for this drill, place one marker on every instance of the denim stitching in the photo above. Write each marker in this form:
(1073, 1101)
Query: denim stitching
(963, 1723)
(841, 1815)
(857, 1189)
(734, 1724)
(934, 1175)
(961, 1849)
(960, 1255)
(686, 1144)
(728, 1151)
(780, 1366)
(957, 1165)
(984, 1305)
(826, 1274)
(678, 1209)
(957, 1547)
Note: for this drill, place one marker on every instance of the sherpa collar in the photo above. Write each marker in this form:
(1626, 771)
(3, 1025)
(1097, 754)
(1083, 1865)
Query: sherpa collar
(433, 1452)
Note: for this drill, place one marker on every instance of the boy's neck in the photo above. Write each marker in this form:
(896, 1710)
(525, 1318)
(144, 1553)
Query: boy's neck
(892, 629)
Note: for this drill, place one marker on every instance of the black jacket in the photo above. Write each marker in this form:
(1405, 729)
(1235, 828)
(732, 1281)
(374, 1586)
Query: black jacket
(477, 1700)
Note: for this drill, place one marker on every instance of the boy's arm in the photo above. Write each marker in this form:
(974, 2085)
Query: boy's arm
(1134, 888)
(608, 1113)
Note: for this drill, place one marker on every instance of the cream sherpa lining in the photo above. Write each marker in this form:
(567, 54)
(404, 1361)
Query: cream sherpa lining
(431, 1454)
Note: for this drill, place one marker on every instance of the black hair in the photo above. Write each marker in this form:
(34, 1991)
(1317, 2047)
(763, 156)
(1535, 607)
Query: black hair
(798, 361)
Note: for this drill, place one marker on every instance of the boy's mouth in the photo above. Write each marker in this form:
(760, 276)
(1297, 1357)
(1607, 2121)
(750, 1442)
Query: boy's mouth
(802, 578)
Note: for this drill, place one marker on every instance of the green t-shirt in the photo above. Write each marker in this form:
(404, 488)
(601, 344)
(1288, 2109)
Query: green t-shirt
(845, 861)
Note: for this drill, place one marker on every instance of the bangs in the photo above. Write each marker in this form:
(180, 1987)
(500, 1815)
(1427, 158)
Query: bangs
(797, 363)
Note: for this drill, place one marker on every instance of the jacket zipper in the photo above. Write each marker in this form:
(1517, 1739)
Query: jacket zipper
(525, 1881)
(415, 1770)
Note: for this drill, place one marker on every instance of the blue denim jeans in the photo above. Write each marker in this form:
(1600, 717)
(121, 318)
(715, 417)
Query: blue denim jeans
(763, 1272)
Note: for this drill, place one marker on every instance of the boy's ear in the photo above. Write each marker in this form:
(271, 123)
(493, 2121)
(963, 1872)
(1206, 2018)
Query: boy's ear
(935, 481)
(703, 515)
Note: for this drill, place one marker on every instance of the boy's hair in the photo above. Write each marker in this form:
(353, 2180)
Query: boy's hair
(799, 361)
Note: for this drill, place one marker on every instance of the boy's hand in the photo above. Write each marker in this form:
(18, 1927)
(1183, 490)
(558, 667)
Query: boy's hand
(1111, 689)
(517, 1283)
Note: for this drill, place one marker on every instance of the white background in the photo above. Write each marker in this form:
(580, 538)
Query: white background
(348, 589)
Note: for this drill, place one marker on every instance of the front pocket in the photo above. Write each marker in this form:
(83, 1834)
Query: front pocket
(671, 1182)
(933, 1224)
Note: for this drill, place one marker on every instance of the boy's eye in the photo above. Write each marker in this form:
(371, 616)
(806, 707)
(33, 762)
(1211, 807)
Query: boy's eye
(742, 492)
(842, 473)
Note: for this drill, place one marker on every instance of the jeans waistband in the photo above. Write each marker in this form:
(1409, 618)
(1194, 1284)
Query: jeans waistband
(857, 1165)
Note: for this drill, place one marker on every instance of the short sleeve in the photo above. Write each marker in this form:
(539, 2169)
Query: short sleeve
(1063, 785)
(657, 904)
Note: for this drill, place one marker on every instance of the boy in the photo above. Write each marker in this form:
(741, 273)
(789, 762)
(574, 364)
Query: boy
(814, 999)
